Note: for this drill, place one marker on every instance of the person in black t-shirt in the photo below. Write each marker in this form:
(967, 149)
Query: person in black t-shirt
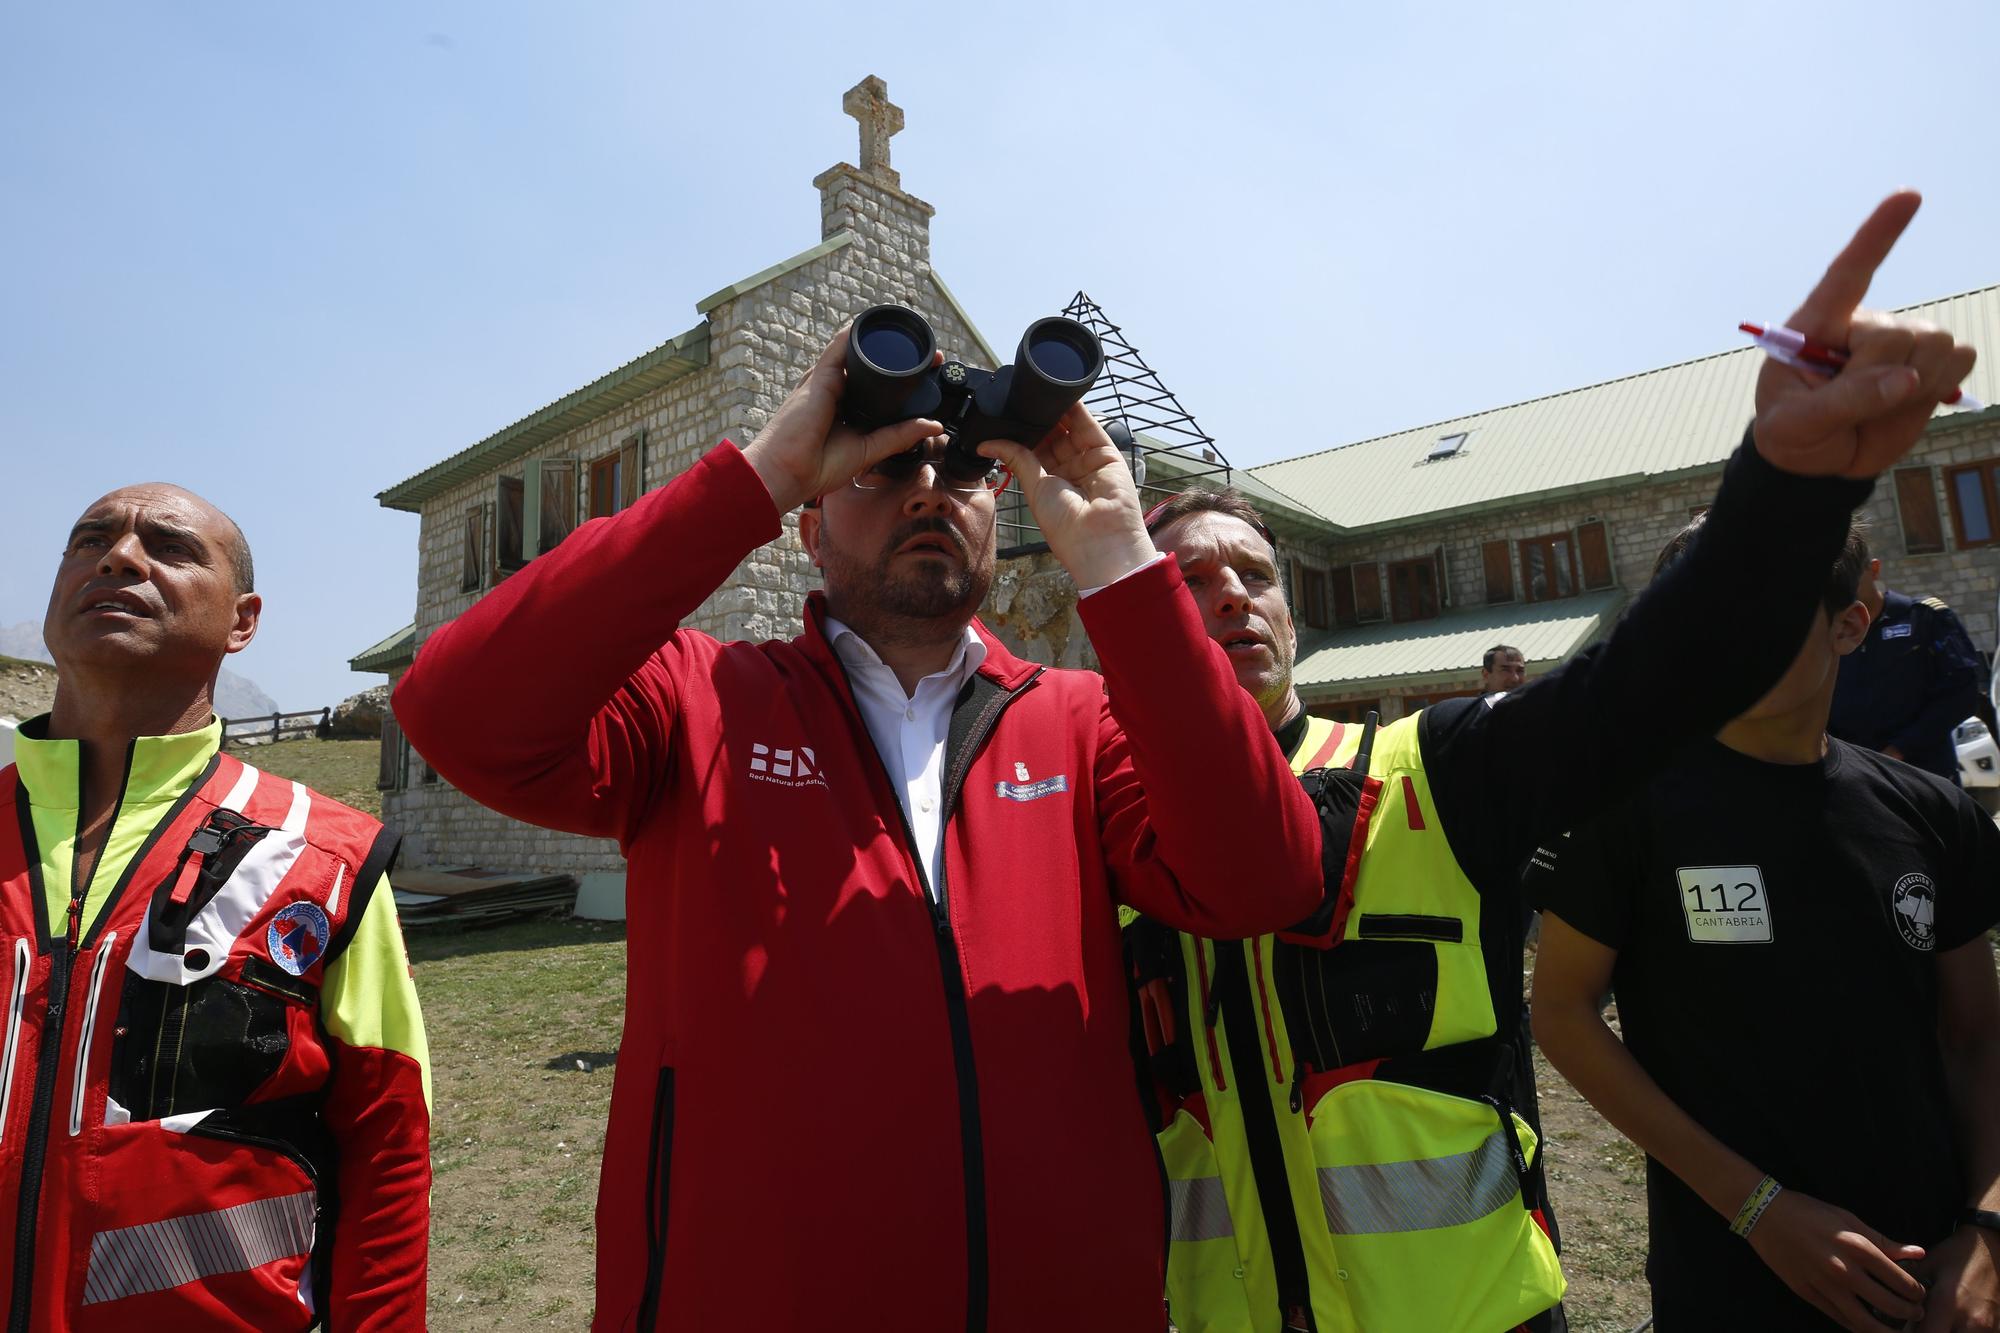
(1795, 931)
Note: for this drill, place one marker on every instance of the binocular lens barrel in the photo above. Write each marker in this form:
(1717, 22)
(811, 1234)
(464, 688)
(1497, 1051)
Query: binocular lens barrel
(889, 354)
(1059, 359)
(1061, 350)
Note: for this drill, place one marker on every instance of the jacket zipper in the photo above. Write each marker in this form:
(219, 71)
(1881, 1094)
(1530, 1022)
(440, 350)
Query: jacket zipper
(952, 972)
(24, 962)
(659, 1165)
(33, 1160)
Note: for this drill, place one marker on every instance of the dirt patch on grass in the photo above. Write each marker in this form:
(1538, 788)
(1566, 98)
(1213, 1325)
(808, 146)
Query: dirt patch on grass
(522, 1021)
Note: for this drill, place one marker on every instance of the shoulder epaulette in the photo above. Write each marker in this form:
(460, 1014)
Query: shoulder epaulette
(1935, 604)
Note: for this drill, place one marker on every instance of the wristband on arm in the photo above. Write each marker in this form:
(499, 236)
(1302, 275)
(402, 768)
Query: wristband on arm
(1754, 1206)
(1986, 1218)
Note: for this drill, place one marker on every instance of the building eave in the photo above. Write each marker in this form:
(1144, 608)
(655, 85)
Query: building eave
(679, 356)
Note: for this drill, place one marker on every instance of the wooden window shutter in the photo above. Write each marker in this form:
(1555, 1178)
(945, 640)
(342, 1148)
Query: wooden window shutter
(473, 576)
(1368, 591)
(632, 469)
(1593, 545)
(1917, 508)
(1443, 577)
(509, 505)
(389, 774)
(1499, 560)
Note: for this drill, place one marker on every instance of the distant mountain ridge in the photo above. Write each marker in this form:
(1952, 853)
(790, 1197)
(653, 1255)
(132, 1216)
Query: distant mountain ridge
(235, 696)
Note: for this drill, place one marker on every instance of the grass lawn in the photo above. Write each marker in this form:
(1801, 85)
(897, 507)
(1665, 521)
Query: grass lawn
(518, 1128)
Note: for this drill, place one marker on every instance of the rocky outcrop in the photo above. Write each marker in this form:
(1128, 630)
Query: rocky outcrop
(360, 716)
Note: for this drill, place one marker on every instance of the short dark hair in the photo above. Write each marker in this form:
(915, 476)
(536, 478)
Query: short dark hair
(239, 557)
(1843, 582)
(1228, 501)
(1493, 655)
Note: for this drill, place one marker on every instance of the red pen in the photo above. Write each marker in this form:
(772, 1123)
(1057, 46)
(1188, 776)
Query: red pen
(1795, 349)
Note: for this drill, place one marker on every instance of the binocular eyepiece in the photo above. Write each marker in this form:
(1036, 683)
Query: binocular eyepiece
(890, 378)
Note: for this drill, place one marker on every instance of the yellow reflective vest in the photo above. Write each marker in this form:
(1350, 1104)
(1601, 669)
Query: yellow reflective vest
(1313, 1166)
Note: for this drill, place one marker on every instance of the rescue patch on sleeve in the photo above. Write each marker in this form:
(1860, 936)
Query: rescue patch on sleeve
(1030, 791)
(298, 936)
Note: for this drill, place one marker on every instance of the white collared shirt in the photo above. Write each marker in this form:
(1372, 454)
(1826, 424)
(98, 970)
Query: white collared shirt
(909, 730)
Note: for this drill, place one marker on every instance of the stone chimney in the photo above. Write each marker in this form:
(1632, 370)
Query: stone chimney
(869, 200)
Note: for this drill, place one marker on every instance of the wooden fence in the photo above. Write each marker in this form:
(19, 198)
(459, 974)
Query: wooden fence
(276, 727)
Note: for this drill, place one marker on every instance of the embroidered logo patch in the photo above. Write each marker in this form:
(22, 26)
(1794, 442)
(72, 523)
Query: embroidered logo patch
(1032, 791)
(1901, 631)
(297, 937)
(795, 767)
(1020, 771)
(1915, 901)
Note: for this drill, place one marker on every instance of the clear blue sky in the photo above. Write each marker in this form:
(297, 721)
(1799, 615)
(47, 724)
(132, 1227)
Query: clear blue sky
(288, 255)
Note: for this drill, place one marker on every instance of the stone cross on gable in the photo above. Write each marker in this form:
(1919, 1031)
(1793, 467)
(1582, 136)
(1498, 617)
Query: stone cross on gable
(868, 102)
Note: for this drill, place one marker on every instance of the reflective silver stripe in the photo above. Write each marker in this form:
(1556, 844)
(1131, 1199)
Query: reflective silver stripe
(159, 1255)
(1199, 1208)
(82, 1076)
(23, 961)
(1420, 1195)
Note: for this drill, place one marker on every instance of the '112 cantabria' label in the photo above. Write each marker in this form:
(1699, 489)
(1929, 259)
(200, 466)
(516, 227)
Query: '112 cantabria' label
(1725, 904)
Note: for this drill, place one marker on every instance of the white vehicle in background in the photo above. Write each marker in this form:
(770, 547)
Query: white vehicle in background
(7, 726)
(1979, 763)
(1979, 749)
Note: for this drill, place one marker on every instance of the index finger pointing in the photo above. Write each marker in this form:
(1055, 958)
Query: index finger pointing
(1845, 283)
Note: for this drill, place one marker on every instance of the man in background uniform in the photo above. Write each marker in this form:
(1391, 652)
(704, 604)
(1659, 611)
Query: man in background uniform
(1913, 679)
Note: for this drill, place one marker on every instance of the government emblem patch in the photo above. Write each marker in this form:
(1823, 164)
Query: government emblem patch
(1915, 904)
(297, 937)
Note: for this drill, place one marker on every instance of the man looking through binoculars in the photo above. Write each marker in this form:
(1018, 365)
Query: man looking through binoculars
(875, 1069)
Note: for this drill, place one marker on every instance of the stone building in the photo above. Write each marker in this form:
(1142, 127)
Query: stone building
(1532, 524)
(493, 506)
(1407, 555)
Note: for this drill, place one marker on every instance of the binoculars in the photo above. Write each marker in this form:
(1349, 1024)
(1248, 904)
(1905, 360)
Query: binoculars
(890, 378)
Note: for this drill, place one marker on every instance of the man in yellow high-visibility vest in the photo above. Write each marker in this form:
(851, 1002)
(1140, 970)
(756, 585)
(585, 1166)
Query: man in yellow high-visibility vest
(1347, 1111)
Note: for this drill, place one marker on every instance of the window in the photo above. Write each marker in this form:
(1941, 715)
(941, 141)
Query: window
(1548, 567)
(1413, 589)
(507, 531)
(1973, 503)
(1499, 558)
(1593, 545)
(1311, 584)
(614, 478)
(473, 578)
(1917, 508)
(607, 486)
(1446, 447)
(1368, 592)
(1342, 580)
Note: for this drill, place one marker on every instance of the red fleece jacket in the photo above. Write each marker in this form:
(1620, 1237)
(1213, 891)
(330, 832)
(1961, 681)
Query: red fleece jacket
(836, 1106)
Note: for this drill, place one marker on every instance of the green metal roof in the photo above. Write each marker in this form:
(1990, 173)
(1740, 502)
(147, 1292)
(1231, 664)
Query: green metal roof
(1681, 418)
(399, 649)
(678, 356)
(1285, 515)
(1446, 649)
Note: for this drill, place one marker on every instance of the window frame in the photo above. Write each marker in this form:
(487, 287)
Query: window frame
(1986, 470)
(1427, 566)
(1548, 540)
